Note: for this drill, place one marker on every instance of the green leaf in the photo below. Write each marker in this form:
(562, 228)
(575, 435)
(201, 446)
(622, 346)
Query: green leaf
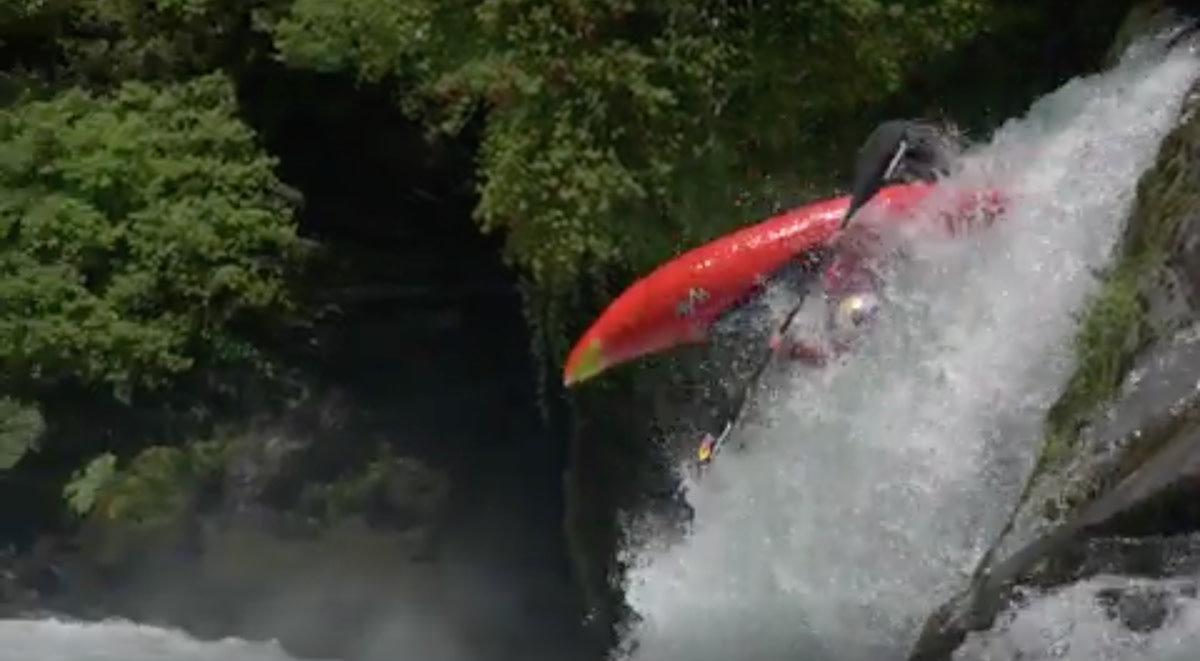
(85, 485)
(21, 427)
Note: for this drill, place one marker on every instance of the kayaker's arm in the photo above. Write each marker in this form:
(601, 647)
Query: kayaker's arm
(898, 149)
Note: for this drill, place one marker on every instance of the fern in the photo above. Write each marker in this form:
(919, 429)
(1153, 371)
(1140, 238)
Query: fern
(21, 427)
(86, 483)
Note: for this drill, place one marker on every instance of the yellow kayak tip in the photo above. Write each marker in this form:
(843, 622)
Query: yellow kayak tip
(585, 361)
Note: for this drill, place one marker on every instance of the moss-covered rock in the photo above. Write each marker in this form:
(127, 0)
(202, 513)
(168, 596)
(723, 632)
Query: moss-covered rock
(1120, 442)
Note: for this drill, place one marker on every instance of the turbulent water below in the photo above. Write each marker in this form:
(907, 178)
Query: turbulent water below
(868, 490)
(52, 640)
(1079, 623)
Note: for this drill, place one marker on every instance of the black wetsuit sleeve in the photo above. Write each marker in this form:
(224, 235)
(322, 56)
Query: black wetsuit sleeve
(920, 150)
(872, 161)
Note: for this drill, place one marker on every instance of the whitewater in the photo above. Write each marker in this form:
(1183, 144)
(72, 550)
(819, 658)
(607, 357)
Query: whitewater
(868, 491)
(55, 640)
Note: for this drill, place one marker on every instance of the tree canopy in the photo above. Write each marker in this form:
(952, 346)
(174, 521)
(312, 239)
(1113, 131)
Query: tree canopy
(150, 241)
(139, 226)
(617, 132)
(144, 231)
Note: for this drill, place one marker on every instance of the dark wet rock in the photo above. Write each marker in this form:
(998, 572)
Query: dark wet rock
(1158, 396)
(1142, 557)
(1149, 17)
(1126, 468)
(1139, 609)
(24, 580)
(1158, 402)
(1160, 495)
(1051, 623)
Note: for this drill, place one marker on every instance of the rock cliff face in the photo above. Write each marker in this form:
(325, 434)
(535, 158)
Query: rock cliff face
(1117, 490)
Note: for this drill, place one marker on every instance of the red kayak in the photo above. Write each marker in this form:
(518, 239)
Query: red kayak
(679, 301)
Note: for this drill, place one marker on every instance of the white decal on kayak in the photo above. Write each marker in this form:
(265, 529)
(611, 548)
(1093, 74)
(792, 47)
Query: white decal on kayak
(695, 296)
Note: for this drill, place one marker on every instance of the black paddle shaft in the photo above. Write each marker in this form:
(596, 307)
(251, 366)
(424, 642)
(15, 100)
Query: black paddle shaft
(737, 408)
(732, 413)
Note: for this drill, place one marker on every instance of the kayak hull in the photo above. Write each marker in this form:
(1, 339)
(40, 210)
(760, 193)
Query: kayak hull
(678, 302)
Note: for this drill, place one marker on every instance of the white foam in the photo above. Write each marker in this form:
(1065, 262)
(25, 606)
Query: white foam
(1072, 624)
(54, 640)
(877, 483)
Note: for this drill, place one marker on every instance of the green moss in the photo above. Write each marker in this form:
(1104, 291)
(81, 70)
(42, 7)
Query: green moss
(1109, 332)
(1055, 449)
(1115, 326)
(350, 494)
(1139, 449)
(155, 489)
(133, 507)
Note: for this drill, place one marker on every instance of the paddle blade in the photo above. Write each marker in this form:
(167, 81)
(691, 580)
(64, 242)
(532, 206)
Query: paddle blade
(707, 448)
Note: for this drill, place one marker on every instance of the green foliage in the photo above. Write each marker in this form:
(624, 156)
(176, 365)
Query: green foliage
(611, 126)
(1115, 324)
(618, 133)
(15, 10)
(1109, 332)
(141, 229)
(86, 483)
(155, 489)
(21, 427)
(109, 41)
(384, 481)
